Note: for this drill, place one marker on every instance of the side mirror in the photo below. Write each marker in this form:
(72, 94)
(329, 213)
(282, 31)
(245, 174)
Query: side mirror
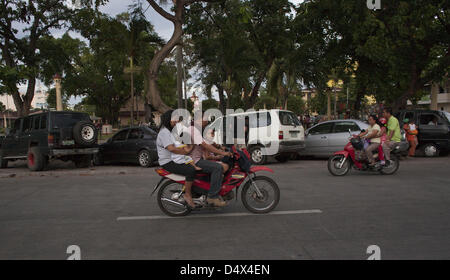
(109, 140)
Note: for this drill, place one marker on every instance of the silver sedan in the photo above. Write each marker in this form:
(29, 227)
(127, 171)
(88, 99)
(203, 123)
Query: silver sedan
(326, 138)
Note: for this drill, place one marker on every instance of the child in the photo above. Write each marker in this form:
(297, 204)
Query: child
(224, 161)
(184, 159)
(383, 139)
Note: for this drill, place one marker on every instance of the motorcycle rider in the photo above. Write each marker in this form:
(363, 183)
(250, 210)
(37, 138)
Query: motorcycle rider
(373, 135)
(207, 166)
(383, 139)
(393, 137)
(165, 145)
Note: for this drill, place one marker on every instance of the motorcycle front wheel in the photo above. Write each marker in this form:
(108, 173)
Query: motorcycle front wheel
(263, 197)
(169, 202)
(338, 165)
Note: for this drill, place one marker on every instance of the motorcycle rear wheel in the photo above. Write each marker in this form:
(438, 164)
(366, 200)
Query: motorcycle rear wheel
(333, 167)
(260, 204)
(393, 167)
(171, 209)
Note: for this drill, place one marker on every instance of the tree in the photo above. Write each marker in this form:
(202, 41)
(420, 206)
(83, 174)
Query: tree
(177, 18)
(397, 50)
(21, 54)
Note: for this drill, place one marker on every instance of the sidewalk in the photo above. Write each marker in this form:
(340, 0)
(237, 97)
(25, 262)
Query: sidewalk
(58, 168)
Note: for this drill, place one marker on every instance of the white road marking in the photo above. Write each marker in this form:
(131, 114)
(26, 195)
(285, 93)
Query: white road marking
(291, 212)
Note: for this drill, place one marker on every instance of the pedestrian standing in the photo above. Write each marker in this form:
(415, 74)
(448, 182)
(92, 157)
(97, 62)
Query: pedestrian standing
(411, 135)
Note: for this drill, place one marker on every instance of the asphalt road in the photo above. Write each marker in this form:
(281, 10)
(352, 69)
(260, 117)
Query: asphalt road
(108, 213)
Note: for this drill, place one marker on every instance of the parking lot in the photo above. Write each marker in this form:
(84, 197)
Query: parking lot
(108, 212)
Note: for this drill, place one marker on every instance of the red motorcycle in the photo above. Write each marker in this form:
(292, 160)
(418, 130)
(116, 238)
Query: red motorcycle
(353, 155)
(260, 194)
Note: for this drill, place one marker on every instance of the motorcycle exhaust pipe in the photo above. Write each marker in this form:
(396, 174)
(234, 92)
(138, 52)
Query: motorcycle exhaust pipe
(173, 202)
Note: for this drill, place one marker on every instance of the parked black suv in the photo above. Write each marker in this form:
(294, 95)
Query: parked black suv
(434, 130)
(43, 136)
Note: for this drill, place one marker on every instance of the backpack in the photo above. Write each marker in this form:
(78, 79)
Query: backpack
(243, 159)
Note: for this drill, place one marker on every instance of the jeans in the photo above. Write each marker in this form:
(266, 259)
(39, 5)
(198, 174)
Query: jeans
(216, 171)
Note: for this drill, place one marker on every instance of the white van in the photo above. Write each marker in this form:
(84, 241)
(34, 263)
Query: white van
(276, 133)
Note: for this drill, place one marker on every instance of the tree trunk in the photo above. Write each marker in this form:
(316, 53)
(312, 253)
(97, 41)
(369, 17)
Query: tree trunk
(221, 99)
(23, 105)
(414, 85)
(153, 93)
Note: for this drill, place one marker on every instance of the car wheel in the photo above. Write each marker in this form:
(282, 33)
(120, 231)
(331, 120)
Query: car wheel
(35, 160)
(144, 158)
(98, 159)
(3, 162)
(430, 150)
(256, 155)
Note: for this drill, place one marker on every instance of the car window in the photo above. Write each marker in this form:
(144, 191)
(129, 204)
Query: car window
(120, 136)
(430, 119)
(340, 127)
(321, 129)
(288, 118)
(149, 131)
(43, 121)
(447, 115)
(60, 120)
(36, 122)
(264, 119)
(26, 124)
(17, 124)
(135, 133)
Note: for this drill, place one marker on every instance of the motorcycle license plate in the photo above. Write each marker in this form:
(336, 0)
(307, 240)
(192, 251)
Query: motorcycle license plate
(68, 142)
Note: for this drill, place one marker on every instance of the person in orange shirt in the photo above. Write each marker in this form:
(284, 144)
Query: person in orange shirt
(411, 136)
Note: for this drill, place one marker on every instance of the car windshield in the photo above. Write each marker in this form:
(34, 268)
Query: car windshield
(60, 120)
(288, 118)
(447, 115)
